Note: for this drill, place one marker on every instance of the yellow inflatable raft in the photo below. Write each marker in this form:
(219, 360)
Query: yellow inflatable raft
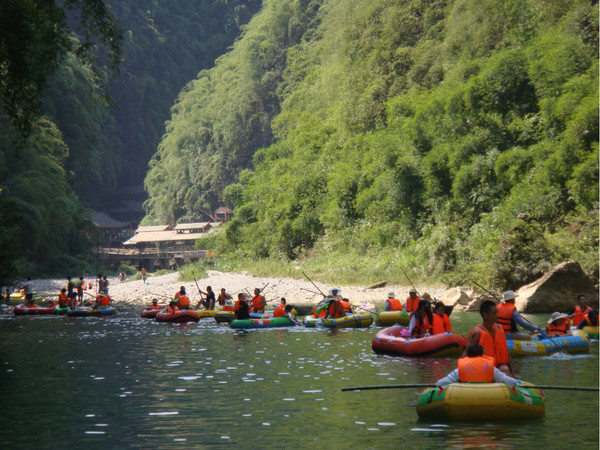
(356, 320)
(481, 401)
(224, 316)
(388, 318)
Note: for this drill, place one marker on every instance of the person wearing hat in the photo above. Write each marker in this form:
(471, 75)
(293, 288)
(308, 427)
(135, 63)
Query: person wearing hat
(580, 310)
(392, 303)
(319, 310)
(412, 301)
(475, 367)
(509, 317)
(558, 324)
(102, 300)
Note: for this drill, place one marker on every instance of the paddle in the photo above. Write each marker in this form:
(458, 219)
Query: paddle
(543, 333)
(425, 385)
(312, 292)
(409, 280)
(316, 287)
(486, 290)
(201, 295)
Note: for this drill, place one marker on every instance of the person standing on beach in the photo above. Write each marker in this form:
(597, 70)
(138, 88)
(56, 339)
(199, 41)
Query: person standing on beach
(144, 274)
(105, 284)
(71, 294)
(28, 290)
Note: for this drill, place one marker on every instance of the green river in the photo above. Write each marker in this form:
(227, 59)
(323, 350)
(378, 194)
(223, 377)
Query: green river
(127, 382)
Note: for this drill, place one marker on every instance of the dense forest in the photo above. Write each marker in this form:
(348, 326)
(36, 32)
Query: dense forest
(455, 139)
(72, 129)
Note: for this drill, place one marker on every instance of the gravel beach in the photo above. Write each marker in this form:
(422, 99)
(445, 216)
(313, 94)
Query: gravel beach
(135, 294)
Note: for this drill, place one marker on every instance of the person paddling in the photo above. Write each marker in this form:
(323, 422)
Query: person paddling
(491, 337)
(579, 310)
(475, 367)
(509, 317)
(209, 302)
(258, 302)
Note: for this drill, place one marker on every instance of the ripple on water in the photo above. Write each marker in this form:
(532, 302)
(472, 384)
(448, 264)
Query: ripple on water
(164, 413)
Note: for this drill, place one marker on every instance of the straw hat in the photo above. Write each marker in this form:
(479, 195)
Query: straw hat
(391, 294)
(557, 316)
(508, 295)
(412, 289)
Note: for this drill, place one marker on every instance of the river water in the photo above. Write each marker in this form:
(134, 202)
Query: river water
(130, 382)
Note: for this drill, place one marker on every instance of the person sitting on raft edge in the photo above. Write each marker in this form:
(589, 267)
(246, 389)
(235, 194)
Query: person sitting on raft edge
(392, 303)
(241, 307)
(558, 325)
(280, 310)
(183, 299)
(475, 367)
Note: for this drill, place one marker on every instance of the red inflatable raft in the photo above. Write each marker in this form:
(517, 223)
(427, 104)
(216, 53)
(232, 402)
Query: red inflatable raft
(149, 313)
(390, 340)
(22, 310)
(181, 316)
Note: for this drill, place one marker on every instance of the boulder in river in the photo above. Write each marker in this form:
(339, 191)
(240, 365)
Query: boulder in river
(478, 299)
(455, 297)
(557, 290)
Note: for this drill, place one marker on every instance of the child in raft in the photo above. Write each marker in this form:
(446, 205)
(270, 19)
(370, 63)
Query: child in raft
(475, 367)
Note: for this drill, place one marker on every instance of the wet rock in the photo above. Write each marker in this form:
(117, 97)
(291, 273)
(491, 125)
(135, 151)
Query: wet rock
(557, 290)
(477, 300)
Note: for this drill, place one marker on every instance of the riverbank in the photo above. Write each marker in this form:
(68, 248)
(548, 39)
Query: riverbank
(135, 294)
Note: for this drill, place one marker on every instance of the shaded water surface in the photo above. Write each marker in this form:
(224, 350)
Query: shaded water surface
(131, 382)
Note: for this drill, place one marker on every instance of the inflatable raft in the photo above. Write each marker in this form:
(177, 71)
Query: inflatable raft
(591, 332)
(273, 322)
(543, 346)
(388, 318)
(149, 313)
(481, 401)
(224, 316)
(85, 311)
(180, 316)
(358, 320)
(22, 310)
(391, 340)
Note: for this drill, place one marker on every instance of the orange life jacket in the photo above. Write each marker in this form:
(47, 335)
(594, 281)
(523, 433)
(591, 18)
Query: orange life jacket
(412, 304)
(347, 307)
(105, 300)
(438, 325)
(172, 309)
(476, 369)
(176, 295)
(395, 304)
(559, 329)
(423, 327)
(505, 314)
(447, 325)
(228, 307)
(184, 301)
(153, 306)
(579, 313)
(62, 299)
(223, 298)
(493, 346)
(335, 309)
(320, 314)
(258, 303)
(279, 311)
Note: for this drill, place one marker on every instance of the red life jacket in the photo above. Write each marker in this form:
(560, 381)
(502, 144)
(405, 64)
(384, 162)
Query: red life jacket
(62, 300)
(493, 346)
(105, 300)
(438, 325)
(395, 304)
(258, 303)
(228, 308)
(412, 304)
(578, 314)
(477, 369)
(423, 327)
(447, 325)
(505, 314)
(558, 329)
(279, 311)
(335, 309)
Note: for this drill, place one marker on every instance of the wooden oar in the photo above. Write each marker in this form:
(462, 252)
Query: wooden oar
(409, 280)
(317, 287)
(426, 385)
(486, 290)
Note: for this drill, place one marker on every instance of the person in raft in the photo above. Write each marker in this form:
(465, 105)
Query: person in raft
(280, 310)
(183, 301)
(509, 317)
(319, 311)
(63, 299)
(290, 314)
(475, 367)
(558, 325)
(579, 310)
(223, 297)
(334, 309)
(154, 304)
(589, 320)
(440, 310)
(346, 306)
(103, 301)
(210, 300)
(258, 302)
(172, 307)
(412, 301)
(392, 303)
(423, 322)
(491, 337)
(241, 307)
(29, 303)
